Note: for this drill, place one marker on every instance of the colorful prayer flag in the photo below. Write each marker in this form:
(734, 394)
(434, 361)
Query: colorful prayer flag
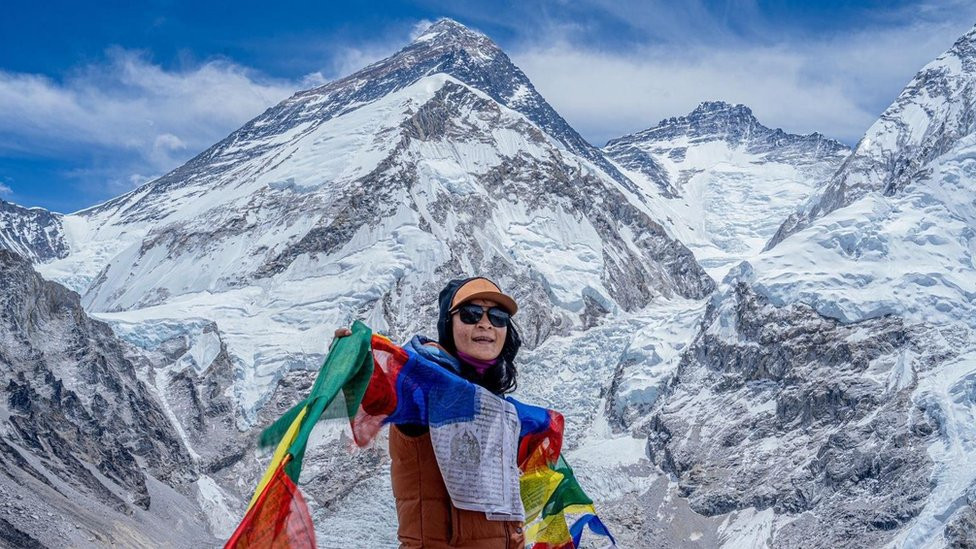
(509, 452)
(277, 519)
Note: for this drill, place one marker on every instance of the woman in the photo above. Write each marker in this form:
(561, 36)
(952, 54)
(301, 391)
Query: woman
(477, 341)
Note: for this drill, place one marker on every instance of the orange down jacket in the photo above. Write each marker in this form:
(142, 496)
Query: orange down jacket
(424, 510)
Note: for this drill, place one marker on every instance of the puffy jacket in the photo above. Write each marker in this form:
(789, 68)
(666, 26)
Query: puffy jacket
(424, 510)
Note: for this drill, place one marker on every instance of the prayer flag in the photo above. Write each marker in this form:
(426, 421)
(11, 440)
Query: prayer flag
(496, 455)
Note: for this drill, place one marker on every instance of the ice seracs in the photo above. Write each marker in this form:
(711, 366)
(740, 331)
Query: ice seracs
(822, 396)
(360, 199)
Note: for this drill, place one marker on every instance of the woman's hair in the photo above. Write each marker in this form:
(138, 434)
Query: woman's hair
(498, 379)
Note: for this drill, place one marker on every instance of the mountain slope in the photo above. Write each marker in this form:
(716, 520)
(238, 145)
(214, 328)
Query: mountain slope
(820, 398)
(729, 179)
(935, 110)
(79, 433)
(274, 226)
(827, 398)
(360, 199)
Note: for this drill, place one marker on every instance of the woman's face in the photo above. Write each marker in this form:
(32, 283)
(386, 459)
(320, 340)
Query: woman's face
(482, 340)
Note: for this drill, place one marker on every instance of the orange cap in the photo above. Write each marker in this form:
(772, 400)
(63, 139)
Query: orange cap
(482, 288)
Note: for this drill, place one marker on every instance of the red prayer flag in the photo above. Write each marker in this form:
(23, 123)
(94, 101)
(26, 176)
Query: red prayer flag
(279, 518)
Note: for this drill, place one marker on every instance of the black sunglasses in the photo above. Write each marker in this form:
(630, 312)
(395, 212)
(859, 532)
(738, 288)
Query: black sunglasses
(471, 314)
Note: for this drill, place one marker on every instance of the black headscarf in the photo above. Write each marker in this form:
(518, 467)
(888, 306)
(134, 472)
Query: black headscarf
(498, 379)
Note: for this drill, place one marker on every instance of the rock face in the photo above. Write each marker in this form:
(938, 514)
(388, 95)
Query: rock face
(715, 121)
(725, 180)
(33, 233)
(360, 200)
(781, 408)
(935, 110)
(819, 398)
(77, 424)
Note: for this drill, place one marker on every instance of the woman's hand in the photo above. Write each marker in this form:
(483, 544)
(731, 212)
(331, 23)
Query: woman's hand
(340, 332)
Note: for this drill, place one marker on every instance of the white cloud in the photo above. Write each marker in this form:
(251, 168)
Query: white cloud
(419, 27)
(837, 84)
(142, 120)
(5, 190)
(146, 117)
(622, 94)
(347, 60)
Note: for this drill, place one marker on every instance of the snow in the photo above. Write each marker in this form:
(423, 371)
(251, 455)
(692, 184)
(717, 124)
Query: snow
(159, 273)
(911, 254)
(654, 353)
(520, 95)
(182, 264)
(223, 521)
(731, 200)
(567, 251)
(952, 391)
(91, 247)
(748, 528)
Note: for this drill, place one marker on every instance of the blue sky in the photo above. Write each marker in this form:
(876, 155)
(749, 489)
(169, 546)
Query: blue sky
(97, 98)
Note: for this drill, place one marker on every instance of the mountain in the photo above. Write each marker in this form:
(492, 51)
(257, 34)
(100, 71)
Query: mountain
(82, 440)
(817, 397)
(826, 399)
(34, 233)
(728, 180)
(359, 200)
(935, 110)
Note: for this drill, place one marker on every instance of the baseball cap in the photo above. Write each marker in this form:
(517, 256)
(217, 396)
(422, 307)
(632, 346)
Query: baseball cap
(482, 288)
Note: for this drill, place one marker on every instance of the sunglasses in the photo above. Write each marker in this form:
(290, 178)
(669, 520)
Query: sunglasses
(471, 314)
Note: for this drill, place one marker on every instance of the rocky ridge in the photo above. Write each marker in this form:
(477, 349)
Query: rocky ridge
(34, 233)
(808, 408)
(78, 426)
(826, 398)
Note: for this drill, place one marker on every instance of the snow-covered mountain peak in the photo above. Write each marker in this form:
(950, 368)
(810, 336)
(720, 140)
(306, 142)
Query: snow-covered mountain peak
(724, 179)
(707, 107)
(873, 292)
(447, 34)
(934, 111)
(360, 199)
(720, 113)
(447, 47)
(733, 123)
(33, 233)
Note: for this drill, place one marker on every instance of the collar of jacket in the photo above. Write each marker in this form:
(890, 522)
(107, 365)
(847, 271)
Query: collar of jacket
(434, 353)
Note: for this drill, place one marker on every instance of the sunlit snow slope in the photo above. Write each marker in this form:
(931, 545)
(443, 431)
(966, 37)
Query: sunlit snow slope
(823, 396)
(730, 180)
(937, 108)
(359, 199)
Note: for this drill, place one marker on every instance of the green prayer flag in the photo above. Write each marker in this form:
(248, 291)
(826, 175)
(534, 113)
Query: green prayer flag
(349, 362)
(569, 492)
